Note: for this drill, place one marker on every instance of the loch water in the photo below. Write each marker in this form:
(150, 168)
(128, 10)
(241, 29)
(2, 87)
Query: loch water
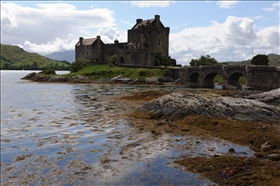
(63, 134)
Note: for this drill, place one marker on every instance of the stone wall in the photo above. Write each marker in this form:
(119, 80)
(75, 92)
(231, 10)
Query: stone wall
(263, 77)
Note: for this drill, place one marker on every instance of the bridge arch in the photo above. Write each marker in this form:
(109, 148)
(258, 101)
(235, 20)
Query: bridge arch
(208, 80)
(194, 77)
(233, 79)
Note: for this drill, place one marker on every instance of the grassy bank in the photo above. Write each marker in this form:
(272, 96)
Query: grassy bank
(107, 71)
(98, 71)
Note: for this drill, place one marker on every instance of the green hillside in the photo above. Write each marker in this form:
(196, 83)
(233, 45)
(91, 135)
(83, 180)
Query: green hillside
(15, 58)
(274, 60)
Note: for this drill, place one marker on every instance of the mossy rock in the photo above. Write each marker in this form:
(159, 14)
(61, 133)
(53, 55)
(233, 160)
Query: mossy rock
(48, 72)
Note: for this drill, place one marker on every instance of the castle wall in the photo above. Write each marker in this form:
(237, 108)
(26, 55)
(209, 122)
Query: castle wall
(84, 52)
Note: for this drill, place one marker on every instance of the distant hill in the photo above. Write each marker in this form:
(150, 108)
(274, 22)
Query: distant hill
(66, 55)
(274, 60)
(15, 58)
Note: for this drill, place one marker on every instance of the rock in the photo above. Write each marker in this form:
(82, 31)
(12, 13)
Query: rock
(271, 97)
(230, 87)
(165, 79)
(120, 79)
(80, 77)
(29, 76)
(57, 79)
(265, 146)
(137, 81)
(231, 150)
(177, 105)
(274, 157)
(180, 82)
(153, 80)
(158, 80)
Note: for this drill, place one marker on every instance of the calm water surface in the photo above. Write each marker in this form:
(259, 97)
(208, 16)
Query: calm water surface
(64, 134)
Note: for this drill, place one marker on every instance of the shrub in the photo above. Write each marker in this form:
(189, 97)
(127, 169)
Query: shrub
(203, 60)
(260, 59)
(79, 64)
(142, 73)
(167, 73)
(113, 60)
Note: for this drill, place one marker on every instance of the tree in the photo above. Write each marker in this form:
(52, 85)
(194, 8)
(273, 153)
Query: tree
(260, 59)
(204, 60)
(78, 65)
(113, 60)
(163, 60)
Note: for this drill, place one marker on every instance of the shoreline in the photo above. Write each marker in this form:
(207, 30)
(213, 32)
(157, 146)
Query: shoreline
(228, 168)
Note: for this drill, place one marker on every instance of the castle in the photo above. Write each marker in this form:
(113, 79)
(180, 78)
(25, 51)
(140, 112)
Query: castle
(144, 38)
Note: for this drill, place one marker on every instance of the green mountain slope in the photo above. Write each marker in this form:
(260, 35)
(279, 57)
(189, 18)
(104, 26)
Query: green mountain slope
(274, 60)
(15, 58)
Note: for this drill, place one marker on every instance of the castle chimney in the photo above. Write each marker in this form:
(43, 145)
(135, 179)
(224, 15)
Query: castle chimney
(157, 17)
(98, 37)
(81, 40)
(139, 20)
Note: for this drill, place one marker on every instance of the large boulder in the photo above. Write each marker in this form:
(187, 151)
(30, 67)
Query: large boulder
(176, 106)
(271, 97)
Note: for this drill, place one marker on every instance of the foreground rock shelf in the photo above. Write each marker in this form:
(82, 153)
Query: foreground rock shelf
(177, 105)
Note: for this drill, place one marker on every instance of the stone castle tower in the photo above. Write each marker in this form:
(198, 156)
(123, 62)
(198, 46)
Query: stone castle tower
(144, 38)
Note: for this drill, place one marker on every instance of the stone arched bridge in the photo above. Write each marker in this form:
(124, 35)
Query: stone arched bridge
(258, 77)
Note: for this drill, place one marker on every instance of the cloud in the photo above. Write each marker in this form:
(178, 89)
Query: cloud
(46, 48)
(269, 9)
(232, 40)
(147, 4)
(109, 35)
(47, 27)
(226, 4)
(272, 8)
(258, 17)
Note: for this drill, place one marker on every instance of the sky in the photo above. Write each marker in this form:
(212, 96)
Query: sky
(225, 30)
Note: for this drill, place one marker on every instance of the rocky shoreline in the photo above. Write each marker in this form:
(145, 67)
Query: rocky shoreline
(40, 77)
(244, 118)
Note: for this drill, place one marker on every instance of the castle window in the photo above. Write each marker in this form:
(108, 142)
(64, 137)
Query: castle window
(159, 42)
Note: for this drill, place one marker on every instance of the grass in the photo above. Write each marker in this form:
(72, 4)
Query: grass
(219, 79)
(106, 72)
